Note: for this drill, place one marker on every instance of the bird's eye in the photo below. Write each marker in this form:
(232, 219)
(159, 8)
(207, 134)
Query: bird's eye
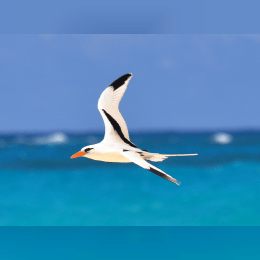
(88, 149)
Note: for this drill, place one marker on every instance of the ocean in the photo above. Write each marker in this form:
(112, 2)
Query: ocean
(40, 185)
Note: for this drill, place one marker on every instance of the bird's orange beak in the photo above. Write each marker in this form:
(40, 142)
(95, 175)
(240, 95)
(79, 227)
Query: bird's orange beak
(78, 154)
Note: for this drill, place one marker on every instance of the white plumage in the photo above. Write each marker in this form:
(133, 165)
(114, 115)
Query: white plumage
(116, 145)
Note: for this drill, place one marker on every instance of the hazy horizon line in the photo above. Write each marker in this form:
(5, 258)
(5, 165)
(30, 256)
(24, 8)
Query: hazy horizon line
(142, 131)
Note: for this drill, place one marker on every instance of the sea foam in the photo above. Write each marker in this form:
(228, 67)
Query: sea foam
(222, 138)
(55, 138)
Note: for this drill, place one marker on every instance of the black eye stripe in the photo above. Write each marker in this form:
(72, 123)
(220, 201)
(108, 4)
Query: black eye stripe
(87, 149)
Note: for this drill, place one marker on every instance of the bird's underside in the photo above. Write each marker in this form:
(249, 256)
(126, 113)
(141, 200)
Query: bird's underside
(139, 158)
(117, 157)
(116, 145)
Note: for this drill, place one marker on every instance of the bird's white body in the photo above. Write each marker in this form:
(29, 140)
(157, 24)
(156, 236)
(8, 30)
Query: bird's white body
(116, 145)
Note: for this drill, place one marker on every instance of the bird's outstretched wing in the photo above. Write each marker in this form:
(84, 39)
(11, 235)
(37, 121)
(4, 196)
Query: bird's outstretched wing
(137, 159)
(115, 125)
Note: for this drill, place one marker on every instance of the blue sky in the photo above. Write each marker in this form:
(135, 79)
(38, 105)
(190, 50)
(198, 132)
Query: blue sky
(181, 82)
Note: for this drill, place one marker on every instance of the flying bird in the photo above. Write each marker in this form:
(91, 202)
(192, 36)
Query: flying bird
(116, 145)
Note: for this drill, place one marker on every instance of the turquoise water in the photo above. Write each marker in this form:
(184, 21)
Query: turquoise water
(41, 185)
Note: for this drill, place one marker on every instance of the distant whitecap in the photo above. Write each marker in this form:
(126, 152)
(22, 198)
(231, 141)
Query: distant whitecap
(222, 138)
(56, 138)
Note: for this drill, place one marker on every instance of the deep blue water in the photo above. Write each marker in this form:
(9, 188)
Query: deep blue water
(41, 185)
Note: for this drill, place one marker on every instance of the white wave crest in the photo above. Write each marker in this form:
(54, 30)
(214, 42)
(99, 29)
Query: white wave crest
(222, 138)
(56, 138)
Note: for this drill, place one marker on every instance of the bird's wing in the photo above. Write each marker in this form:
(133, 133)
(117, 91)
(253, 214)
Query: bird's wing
(115, 125)
(137, 159)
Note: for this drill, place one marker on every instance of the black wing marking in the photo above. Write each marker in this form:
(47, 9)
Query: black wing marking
(136, 158)
(121, 81)
(163, 175)
(117, 128)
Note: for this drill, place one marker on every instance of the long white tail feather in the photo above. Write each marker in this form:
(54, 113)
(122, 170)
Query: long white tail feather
(171, 155)
(156, 157)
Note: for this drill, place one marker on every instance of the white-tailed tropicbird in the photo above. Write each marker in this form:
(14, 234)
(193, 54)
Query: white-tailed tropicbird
(116, 145)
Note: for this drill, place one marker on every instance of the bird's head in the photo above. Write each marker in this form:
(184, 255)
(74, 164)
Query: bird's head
(82, 152)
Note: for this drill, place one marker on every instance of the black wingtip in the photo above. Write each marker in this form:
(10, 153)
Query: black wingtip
(165, 176)
(121, 81)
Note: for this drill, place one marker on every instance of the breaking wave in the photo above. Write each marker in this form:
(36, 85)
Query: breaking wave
(56, 138)
(222, 138)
